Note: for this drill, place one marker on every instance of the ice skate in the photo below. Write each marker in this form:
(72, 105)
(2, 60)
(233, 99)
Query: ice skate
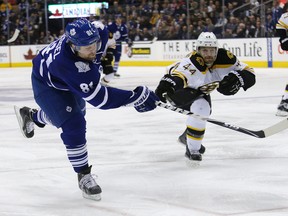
(116, 75)
(90, 189)
(282, 109)
(24, 117)
(183, 140)
(193, 157)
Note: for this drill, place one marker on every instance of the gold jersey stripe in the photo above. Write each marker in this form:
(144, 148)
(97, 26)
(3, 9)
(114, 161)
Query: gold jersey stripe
(281, 24)
(181, 76)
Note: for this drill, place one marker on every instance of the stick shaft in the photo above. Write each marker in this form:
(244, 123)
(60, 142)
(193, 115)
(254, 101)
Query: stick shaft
(276, 128)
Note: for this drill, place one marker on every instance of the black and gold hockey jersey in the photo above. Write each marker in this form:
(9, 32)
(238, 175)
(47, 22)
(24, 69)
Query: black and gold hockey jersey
(195, 73)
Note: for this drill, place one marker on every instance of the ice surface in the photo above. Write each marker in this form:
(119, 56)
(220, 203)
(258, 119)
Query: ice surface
(140, 165)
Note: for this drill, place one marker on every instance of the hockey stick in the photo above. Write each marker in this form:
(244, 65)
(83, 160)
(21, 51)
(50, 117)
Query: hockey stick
(15, 36)
(276, 128)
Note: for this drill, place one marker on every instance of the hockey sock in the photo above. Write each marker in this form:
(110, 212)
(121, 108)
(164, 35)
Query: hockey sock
(74, 139)
(40, 118)
(115, 67)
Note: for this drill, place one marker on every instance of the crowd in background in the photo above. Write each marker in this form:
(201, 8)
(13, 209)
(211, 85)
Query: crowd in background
(146, 19)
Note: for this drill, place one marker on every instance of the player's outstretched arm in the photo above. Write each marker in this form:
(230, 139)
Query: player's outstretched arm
(143, 99)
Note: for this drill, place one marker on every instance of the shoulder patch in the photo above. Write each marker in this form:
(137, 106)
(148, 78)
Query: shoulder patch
(225, 57)
(198, 62)
(82, 67)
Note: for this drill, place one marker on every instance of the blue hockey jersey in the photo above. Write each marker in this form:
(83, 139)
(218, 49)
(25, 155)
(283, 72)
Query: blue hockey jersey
(120, 32)
(60, 68)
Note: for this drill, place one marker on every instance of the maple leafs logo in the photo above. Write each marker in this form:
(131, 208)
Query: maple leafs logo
(82, 67)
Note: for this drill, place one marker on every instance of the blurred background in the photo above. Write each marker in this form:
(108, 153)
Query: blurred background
(41, 22)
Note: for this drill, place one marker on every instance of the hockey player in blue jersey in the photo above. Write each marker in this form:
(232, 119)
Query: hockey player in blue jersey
(65, 75)
(120, 34)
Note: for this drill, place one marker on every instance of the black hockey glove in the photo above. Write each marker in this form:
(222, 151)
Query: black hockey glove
(166, 86)
(184, 97)
(231, 84)
(129, 42)
(284, 44)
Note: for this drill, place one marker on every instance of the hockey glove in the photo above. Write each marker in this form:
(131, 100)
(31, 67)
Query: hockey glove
(231, 84)
(284, 44)
(166, 86)
(184, 97)
(129, 42)
(143, 99)
(129, 52)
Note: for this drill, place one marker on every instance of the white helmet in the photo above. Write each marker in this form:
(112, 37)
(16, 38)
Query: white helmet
(207, 39)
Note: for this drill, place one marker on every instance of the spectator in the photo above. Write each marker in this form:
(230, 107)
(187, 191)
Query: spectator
(228, 33)
(259, 30)
(241, 31)
(183, 33)
(146, 35)
(193, 32)
(219, 26)
(157, 16)
(5, 6)
(209, 25)
(270, 27)
(231, 24)
(136, 35)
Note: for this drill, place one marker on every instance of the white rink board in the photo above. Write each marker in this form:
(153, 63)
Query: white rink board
(257, 52)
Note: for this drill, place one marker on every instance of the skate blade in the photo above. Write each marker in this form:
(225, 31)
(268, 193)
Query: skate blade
(19, 119)
(96, 197)
(282, 113)
(192, 163)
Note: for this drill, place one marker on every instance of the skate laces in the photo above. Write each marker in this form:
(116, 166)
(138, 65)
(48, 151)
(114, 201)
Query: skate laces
(88, 181)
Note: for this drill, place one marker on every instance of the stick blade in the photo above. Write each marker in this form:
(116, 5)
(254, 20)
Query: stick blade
(276, 128)
(14, 37)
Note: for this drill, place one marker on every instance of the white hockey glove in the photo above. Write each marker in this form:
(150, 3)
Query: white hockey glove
(111, 43)
(129, 52)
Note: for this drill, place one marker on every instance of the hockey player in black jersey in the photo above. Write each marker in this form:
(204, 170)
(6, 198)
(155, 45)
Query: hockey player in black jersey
(65, 75)
(281, 29)
(189, 82)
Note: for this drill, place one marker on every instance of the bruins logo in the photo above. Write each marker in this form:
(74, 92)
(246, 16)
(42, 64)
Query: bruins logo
(229, 54)
(200, 61)
(208, 88)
